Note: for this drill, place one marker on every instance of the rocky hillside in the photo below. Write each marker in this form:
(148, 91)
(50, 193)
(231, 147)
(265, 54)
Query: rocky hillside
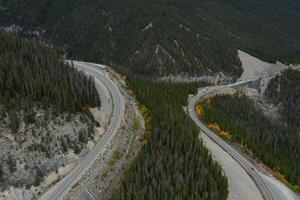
(284, 91)
(44, 115)
(162, 37)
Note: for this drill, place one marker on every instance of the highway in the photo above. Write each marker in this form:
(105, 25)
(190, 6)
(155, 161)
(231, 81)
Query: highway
(268, 190)
(60, 189)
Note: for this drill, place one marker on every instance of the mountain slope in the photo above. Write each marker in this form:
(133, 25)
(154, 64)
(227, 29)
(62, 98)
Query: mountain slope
(284, 91)
(33, 73)
(276, 144)
(44, 115)
(164, 37)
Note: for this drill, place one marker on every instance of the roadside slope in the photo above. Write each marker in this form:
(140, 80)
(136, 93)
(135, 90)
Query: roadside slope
(107, 171)
(65, 185)
(267, 184)
(240, 184)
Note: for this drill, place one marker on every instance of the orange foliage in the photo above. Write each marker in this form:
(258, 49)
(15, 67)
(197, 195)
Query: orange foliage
(208, 99)
(199, 111)
(214, 127)
(130, 92)
(224, 134)
(282, 179)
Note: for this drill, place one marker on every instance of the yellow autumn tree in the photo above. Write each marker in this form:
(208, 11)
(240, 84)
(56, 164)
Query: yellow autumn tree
(130, 92)
(208, 99)
(148, 121)
(214, 127)
(224, 134)
(199, 111)
(282, 179)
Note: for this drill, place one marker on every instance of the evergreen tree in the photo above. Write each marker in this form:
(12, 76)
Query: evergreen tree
(32, 74)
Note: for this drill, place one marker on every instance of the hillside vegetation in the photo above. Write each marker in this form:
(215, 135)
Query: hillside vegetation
(44, 112)
(161, 37)
(31, 73)
(277, 145)
(173, 163)
(284, 91)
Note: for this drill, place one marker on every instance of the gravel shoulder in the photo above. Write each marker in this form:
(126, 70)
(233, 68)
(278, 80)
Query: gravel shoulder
(61, 163)
(241, 186)
(104, 175)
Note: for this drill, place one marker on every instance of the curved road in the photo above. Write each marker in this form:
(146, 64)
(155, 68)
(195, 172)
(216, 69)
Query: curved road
(268, 190)
(60, 189)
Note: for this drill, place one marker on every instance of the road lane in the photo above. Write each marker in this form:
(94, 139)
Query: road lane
(65, 185)
(242, 161)
(268, 190)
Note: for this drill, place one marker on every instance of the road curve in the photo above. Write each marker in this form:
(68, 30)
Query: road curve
(60, 189)
(266, 191)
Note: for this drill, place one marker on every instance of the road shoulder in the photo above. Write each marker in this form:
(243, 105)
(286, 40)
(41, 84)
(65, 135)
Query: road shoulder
(241, 186)
(104, 175)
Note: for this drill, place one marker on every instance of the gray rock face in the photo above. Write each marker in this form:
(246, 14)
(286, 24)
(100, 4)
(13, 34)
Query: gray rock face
(40, 147)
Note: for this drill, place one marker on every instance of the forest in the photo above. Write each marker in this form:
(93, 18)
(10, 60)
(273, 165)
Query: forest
(277, 145)
(39, 91)
(32, 74)
(162, 37)
(284, 90)
(173, 163)
(151, 38)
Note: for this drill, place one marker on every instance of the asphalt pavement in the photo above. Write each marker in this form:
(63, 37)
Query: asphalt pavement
(60, 189)
(268, 189)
